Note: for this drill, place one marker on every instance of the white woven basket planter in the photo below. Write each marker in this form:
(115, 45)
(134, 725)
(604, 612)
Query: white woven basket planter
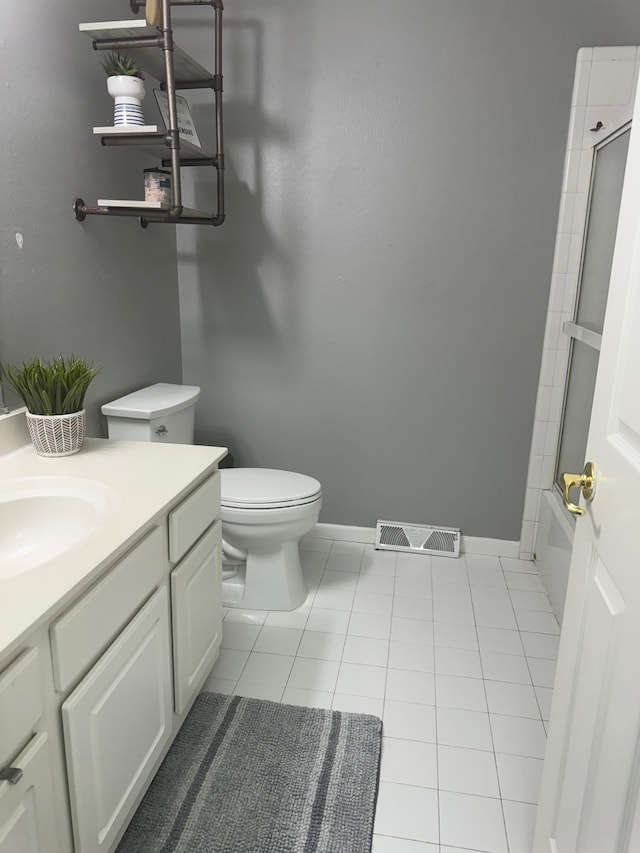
(57, 435)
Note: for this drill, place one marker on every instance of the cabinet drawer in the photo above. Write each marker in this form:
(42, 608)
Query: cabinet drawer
(189, 520)
(78, 637)
(20, 703)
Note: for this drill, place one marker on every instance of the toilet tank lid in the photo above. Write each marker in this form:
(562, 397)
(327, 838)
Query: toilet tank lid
(153, 402)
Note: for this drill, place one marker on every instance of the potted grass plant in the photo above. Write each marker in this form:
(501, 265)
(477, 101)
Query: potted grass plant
(124, 84)
(53, 392)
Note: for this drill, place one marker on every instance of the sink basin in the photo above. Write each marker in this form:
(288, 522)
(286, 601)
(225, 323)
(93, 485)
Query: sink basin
(42, 517)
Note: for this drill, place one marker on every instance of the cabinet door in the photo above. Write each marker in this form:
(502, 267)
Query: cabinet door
(116, 723)
(27, 814)
(197, 616)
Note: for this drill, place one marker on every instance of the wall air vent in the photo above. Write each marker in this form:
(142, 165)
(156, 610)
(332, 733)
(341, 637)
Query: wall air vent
(419, 539)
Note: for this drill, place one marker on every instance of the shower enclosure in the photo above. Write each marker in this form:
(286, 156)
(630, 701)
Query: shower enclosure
(594, 171)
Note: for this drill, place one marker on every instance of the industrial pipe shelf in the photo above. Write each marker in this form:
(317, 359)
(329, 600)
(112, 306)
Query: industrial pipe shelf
(155, 54)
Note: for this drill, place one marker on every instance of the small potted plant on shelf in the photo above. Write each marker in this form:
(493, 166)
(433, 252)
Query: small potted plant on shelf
(53, 392)
(124, 84)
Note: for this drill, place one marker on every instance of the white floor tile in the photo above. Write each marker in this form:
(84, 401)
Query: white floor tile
(359, 680)
(500, 640)
(524, 599)
(219, 685)
(312, 559)
(239, 635)
(354, 549)
(499, 667)
(545, 695)
(409, 762)
(543, 672)
(413, 587)
(373, 602)
(343, 563)
(498, 615)
(540, 645)
(413, 608)
(519, 777)
(464, 662)
(288, 618)
(406, 811)
(449, 569)
(230, 664)
(249, 617)
(417, 631)
(536, 622)
(445, 591)
(307, 698)
(313, 674)
(520, 819)
(491, 596)
(382, 584)
(332, 598)
(370, 625)
(410, 721)
(405, 686)
(517, 700)
(455, 636)
(419, 658)
(378, 562)
(358, 704)
(367, 650)
(467, 771)
(482, 561)
(453, 611)
(472, 822)
(413, 565)
(310, 543)
(518, 580)
(278, 641)
(511, 564)
(486, 577)
(386, 844)
(469, 729)
(321, 645)
(467, 694)
(339, 580)
(255, 690)
(518, 736)
(333, 621)
(268, 669)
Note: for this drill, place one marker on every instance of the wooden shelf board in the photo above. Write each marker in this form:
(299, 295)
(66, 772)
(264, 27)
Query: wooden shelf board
(150, 59)
(156, 146)
(150, 206)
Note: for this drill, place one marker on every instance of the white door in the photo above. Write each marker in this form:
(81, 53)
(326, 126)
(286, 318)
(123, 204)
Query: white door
(590, 797)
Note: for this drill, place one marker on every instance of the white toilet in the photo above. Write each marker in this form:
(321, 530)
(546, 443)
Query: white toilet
(264, 512)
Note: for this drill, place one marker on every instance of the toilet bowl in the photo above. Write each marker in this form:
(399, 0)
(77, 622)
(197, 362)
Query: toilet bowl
(264, 513)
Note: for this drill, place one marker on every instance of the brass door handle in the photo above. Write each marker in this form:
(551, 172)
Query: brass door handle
(585, 481)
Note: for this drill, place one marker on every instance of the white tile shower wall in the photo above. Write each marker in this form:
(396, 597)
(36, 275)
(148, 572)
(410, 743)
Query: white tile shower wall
(604, 85)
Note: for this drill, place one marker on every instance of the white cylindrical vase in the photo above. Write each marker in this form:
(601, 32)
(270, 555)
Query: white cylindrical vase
(128, 93)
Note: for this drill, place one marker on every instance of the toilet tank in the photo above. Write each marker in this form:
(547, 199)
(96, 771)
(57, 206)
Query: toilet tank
(161, 412)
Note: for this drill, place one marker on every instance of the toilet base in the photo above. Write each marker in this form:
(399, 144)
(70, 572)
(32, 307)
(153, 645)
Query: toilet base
(273, 580)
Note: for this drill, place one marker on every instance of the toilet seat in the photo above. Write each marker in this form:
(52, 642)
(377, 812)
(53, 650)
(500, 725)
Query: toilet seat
(266, 489)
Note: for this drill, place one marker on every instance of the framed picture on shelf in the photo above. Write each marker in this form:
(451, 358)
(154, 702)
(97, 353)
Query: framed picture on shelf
(186, 127)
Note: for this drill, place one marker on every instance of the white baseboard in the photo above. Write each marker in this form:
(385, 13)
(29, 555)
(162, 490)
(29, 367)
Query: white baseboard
(469, 544)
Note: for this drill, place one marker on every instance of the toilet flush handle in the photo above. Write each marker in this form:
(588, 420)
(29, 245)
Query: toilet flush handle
(162, 430)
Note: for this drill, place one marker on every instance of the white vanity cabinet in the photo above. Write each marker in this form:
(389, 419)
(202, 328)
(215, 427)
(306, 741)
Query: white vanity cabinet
(122, 665)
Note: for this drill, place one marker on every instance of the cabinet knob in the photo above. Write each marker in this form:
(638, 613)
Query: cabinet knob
(12, 775)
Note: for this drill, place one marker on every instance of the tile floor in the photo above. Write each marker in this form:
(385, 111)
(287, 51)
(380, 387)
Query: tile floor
(456, 656)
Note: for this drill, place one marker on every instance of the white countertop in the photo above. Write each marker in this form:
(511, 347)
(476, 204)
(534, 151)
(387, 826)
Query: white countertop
(143, 479)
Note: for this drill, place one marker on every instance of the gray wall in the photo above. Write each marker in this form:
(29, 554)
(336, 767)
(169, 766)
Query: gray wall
(373, 311)
(105, 289)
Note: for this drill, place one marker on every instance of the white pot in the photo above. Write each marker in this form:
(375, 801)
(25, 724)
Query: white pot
(128, 93)
(57, 435)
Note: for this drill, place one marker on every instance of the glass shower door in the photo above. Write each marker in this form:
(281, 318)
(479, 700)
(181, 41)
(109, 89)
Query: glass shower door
(585, 331)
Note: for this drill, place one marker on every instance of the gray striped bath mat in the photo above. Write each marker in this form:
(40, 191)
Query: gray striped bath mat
(250, 776)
